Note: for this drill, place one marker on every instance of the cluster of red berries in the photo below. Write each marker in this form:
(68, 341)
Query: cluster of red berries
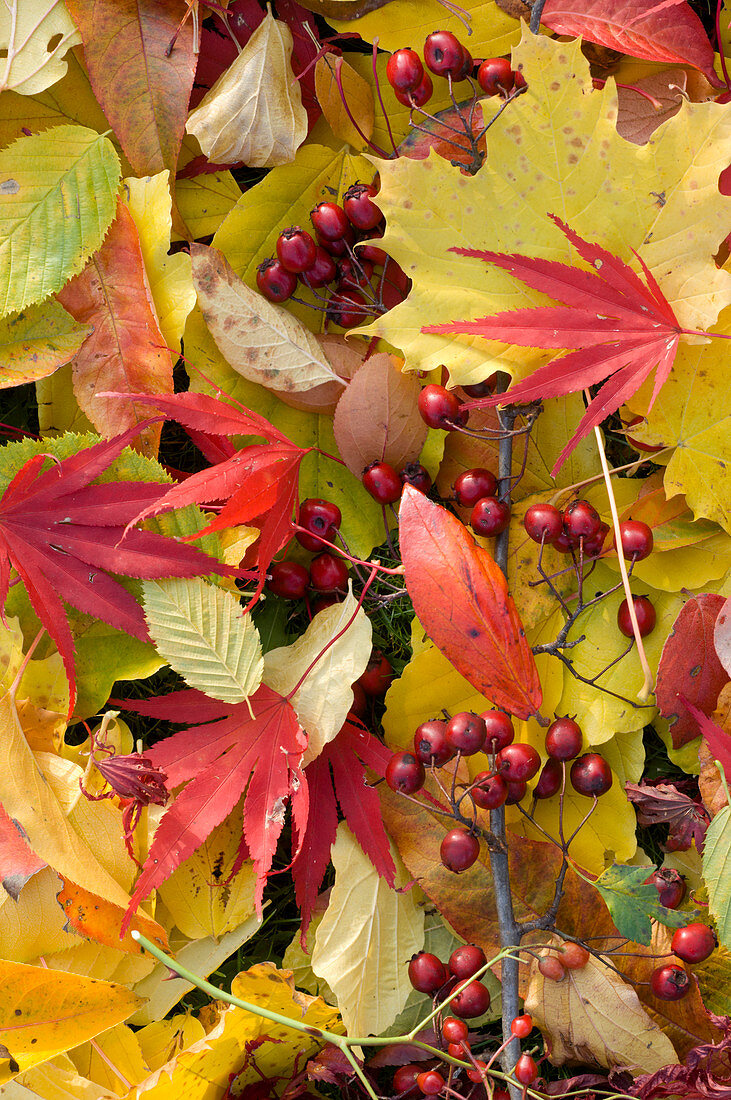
(693, 944)
(477, 489)
(571, 956)
(327, 575)
(445, 56)
(385, 484)
(335, 256)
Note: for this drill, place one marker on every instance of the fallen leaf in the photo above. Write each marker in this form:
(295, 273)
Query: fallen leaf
(648, 102)
(717, 873)
(37, 341)
(722, 635)
(664, 804)
(331, 74)
(18, 863)
(345, 357)
(34, 39)
(632, 902)
(709, 781)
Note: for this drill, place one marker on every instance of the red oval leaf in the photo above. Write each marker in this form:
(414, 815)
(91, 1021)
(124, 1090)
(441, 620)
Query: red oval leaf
(461, 598)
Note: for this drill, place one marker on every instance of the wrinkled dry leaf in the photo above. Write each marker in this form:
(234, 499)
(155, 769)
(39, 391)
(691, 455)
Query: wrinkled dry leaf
(254, 113)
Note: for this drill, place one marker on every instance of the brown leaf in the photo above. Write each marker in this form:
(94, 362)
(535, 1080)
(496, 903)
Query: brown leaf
(377, 419)
(358, 95)
(647, 103)
(665, 804)
(345, 358)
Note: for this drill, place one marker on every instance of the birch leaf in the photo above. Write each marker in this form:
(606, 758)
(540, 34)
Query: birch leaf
(33, 40)
(254, 113)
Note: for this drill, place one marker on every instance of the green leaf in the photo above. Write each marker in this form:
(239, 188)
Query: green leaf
(58, 200)
(632, 902)
(204, 635)
(716, 873)
(36, 342)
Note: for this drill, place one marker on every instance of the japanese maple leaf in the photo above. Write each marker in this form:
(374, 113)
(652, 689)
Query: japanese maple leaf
(62, 534)
(337, 776)
(666, 805)
(621, 327)
(258, 483)
(255, 747)
(705, 1073)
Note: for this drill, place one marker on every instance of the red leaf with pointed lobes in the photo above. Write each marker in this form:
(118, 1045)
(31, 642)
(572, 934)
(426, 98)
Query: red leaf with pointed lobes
(621, 327)
(460, 597)
(64, 536)
(235, 750)
(689, 665)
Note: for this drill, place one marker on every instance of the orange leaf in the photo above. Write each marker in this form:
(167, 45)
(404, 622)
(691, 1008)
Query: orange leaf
(100, 920)
(461, 598)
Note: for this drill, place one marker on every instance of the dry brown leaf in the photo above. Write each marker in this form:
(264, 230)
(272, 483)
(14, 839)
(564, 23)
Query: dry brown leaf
(709, 780)
(377, 418)
(594, 1016)
(358, 95)
(261, 341)
(254, 113)
(648, 102)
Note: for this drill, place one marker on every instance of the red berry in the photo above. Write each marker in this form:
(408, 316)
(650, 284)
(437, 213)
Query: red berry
(330, 221)
(669, 983)
(495, 75)
(574, 956)
(404, 773)
(564, 739)
(482, 389)
(328, 573)
(473, 1000)
(404, 70)
(361, 211)
(376, 680)
(404, 1079)
(472, 485)
(465, 68)
(382, 482)
(591, 775)
(296, 249)
(491, 791)
(274, 281)
(443, 53)
(348, 309)
(466, 960)
(646, 617)
(440, 408)
(517, 762)
(321, 518)
(594, 546)
(430, 1082)
(458, 1050)
(466, 733)
(694, 943)
(490, 516)
(418, 96)
(454, 1030)
(353, 273)
(499, 730)
(670, 885)
(581, 521)
(517, 789)
(526, 1070)
(637, 540)
(552, 968)
(500, 1094)
(430, 743)
(549, 781)
(427, 973)
(327, 599)
(519, 80)
(563, 543)
(459, 850)
(416, 475)
(322, 271)
(372, 253)
(478, 1071)
(288, 579)
(543, 522)
(338, 246)
(522, 1026)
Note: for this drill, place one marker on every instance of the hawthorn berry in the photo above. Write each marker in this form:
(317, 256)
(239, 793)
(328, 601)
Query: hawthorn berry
(404, 773)
(418, 96)
(328, 573)
(500, 1094)
(517, 762)
(490, 517)
(574, 956)
(330, 221)
(440, 407)
(495, 76)
(417, 476)
(443, 53)
(340, 245)
(430, 1082)
(466, 960)
(353, 274)
(517, 789)
(274, 281)
(490, 791)
(404, 70)
(404, 1079)
(669, 983)
(465, 68)
(478, 1071)
(594, 545)
(427, 972)
(473, 485)
(288, 579)
(327, 599)
(382, 482)
(322, 271)
(550, 780)
(543, 522)
(670, 885)
(458, 1050)
(694, 943)
(646, 617)
(454, 1030)
(564, 739)
(361, 211)
(296, 249)
(473, 1000)
(458, 851)
(552, 968)
(376, 680)
(499, 730)
(321, 518)
(348, 308)
(430, 743)
(372, 253)
(581, 521)
(522, 1026)
(466, 733)
(591, 775)
(526, 1070)
(359, 705)
(636, 538)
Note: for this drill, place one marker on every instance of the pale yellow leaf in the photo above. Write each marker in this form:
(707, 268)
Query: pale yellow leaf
(358, 96)
(34, 36)
(163, 1039)
(595, 1016)
(366, 938)
(326, 696)
(57, 1079)
(254, 113)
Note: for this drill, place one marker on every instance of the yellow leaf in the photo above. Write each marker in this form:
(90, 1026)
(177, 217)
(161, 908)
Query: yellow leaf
(326, 696)
(56, 1079)
(162, 1040)
(113, 1061)
(595, 1016)
(204, 201)
(36, 342)
(254, 111)
(366, 938)
(554, 149)
(358, 96)
(34, 925)
(44, 1012)
(171, 285)
(43, 702)
(33, 40)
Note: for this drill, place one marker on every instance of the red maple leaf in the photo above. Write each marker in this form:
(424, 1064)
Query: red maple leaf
(338, 776)
(255, 747)
(621, 327)
(62, 535)
(664, 804)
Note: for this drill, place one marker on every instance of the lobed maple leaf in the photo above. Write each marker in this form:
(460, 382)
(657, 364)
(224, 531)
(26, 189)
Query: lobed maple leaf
(338, 776)
(704, 1075)
(666, 805)
(255, 747)
(62, 535)
(621, 327)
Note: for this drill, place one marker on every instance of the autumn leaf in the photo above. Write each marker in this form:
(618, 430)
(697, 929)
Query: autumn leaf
(35, 40)
(664, 804)
(461, 598)
(18, 862)
(722, 635)
(37, 341)
(332, 74)
(632, 902)
(717, 739)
